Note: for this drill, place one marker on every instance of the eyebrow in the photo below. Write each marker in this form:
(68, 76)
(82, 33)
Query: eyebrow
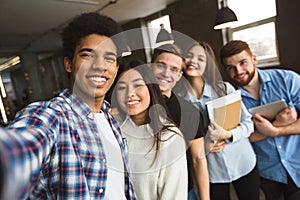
(172, 66)
(87, 49)
(93, 51)
(134, 80)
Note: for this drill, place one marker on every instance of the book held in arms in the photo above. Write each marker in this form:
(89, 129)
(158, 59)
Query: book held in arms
(225, 110)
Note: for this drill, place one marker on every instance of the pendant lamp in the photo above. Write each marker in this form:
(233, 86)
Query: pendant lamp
(225, 17)
(164, 37)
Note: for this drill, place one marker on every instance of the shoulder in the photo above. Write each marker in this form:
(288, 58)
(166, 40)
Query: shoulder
(229, 87)
(171, 134)
(277, 73)
(42, 112)
(184, 104)
(172, 128)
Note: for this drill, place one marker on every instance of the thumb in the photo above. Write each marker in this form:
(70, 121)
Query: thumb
(257, 117)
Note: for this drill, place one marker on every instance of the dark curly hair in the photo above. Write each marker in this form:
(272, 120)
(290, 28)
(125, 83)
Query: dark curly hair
(86, 24)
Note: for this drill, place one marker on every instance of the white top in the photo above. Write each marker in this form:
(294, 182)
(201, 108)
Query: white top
(163, 177)
(115, 171)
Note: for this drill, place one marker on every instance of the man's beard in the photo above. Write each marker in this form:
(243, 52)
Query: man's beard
(247, 81)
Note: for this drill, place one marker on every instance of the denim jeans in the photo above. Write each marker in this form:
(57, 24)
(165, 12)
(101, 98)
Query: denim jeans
(193, 195)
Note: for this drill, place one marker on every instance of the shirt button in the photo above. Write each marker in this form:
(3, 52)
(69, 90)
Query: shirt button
(101, 190)
(282, 160)
(279, 147)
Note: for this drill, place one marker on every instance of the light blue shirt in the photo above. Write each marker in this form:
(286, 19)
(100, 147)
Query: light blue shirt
(237, 159)
(277, 156)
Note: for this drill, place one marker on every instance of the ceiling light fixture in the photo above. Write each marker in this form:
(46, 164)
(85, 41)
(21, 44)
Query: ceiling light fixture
(90, 2)
(225, 17)
(164, 37)
(10, 63)
(127, 51)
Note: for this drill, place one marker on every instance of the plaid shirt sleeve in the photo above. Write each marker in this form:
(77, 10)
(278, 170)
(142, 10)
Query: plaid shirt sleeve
(45, 155)
(23, 150)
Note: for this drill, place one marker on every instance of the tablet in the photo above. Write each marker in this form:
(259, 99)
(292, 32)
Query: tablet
(270, 110)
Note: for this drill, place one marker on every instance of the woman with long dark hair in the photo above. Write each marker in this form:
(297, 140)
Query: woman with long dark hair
(156, 146)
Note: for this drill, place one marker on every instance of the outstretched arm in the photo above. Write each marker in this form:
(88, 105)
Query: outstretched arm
(22, 152)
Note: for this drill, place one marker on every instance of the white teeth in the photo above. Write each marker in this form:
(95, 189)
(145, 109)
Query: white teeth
(97, 79)
(163, 81)
(192, 67)
(132, 102)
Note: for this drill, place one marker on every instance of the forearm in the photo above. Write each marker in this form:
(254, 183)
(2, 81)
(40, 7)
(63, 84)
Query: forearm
(197, 149)
(202, 178)
(256, 137)
(291, 129)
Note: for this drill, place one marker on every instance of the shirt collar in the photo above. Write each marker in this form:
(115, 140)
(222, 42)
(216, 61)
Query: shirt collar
(207, 91)
(79, 106)
(264, 78)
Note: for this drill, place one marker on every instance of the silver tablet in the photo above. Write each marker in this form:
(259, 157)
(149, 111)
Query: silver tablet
(270, 110)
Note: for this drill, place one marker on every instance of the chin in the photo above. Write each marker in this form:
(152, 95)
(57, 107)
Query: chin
(193, 73)
(242, 83)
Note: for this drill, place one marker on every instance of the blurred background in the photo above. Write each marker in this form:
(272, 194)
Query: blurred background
(31, 67)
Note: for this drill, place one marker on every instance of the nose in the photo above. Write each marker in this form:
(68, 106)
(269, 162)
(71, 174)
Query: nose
(193, 59)
(130, 91)
(100, 64)
(166, 72)
(238, 69)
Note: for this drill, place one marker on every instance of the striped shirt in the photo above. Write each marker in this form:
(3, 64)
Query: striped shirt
(55, 151)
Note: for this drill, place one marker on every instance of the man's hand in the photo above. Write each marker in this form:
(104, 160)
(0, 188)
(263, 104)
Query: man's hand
(264, 126)
(285, 117)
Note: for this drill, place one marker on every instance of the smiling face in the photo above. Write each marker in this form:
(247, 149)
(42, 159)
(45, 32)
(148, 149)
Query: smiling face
(133, 95)
(240, 67)
(93, 68)
(167, 71)
(195, 61)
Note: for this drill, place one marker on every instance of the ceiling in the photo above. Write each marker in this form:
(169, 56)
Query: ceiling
(34, 25)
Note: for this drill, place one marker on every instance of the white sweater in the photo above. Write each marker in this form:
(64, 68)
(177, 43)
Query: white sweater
(160, 178)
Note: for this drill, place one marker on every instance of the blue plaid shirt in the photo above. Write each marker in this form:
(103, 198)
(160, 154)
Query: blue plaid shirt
(55, 147)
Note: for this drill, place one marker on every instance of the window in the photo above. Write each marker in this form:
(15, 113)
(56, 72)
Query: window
(256, 25)
(150, 30)
(154, 27)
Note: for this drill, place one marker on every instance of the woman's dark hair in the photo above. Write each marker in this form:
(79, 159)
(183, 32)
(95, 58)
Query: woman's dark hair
(157, 110)
(86, 24)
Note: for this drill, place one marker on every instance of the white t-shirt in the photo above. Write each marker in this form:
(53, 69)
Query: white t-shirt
(115, 185)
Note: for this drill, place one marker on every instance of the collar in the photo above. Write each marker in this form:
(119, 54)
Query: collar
(264, 78)
(80, 107)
